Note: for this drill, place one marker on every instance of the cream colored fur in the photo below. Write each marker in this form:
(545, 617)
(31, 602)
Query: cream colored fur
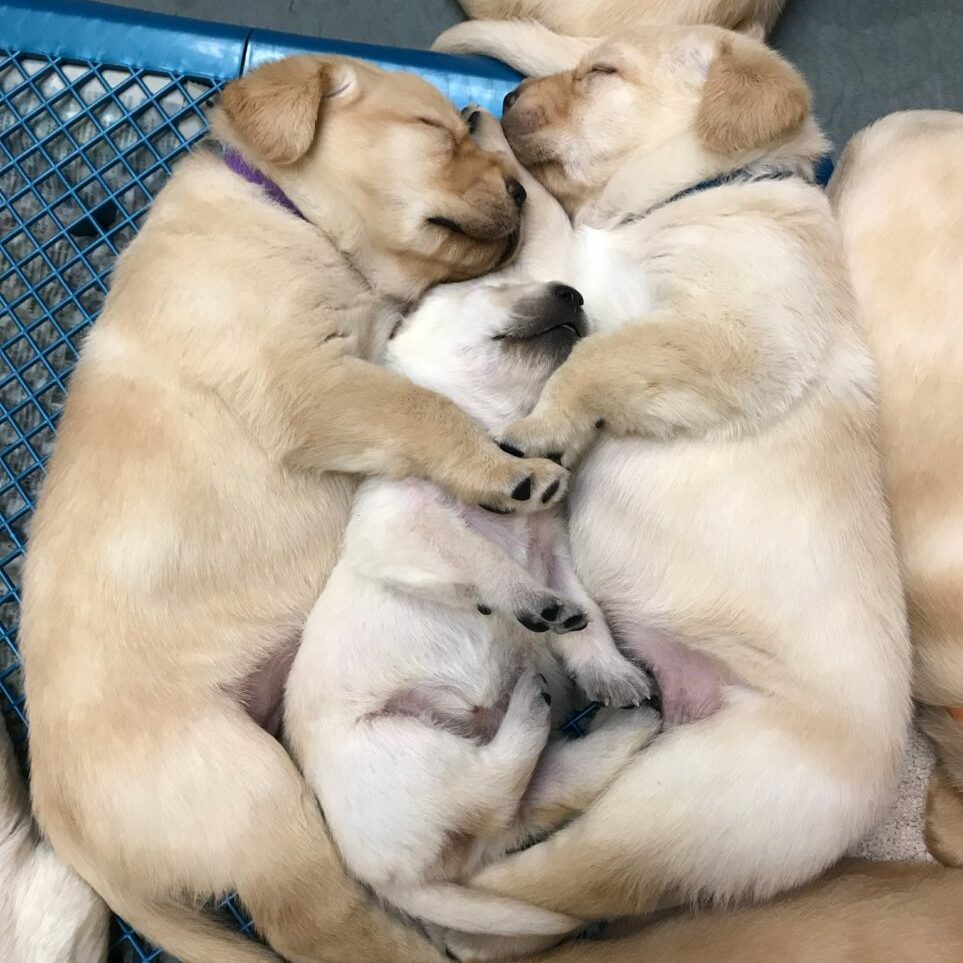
(520, 32)
(222, 408)
(414, 705)
(897, 193)
(730, 518)
(603, 18)
(47, 913)
(861, 913)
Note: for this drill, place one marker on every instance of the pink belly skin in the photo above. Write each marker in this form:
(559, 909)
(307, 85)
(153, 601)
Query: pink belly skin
(262, 693)
(691, 683)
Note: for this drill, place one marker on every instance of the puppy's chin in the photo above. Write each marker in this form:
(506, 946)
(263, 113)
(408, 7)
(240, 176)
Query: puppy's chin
(461, 259)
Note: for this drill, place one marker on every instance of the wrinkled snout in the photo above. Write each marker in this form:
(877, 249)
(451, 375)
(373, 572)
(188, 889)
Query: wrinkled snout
(534, 105)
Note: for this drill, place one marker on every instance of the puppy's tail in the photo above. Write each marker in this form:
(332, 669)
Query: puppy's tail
(475, 911)
(523, 44)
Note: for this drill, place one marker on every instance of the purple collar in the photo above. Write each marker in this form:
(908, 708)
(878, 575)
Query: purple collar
(252, 175)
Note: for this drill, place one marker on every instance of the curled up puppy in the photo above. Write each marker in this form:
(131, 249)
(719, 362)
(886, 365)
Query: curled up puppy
(418, 705)
(728, 514)
(223, 408)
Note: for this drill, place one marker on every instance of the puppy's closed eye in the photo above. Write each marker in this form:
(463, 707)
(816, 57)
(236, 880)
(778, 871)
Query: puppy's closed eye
(447, 223)
(602, 69)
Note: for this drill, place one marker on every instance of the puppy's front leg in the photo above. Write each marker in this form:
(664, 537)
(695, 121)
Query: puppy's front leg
(593, 658)
(661, 377)
(343, 414)
(413, 538)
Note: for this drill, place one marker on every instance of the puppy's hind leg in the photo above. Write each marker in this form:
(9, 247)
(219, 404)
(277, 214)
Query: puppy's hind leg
(493, 793)
(572, 773)
(250, 824)
(779, 815)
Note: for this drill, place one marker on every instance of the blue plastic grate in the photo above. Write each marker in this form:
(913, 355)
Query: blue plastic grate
(84, 147)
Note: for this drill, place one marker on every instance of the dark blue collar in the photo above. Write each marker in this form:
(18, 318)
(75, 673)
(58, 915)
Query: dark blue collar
(822, 172)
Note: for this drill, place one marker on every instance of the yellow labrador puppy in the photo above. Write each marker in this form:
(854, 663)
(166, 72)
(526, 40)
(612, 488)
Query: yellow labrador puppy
(898, 184)
(515, 28)
(200, 488)
(731, 520)
(603, 18)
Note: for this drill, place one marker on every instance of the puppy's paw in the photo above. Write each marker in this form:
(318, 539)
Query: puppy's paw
(530, 484)
(611, 680)
(542, 611)
(550, 435)
(486, 130)
(529, 707)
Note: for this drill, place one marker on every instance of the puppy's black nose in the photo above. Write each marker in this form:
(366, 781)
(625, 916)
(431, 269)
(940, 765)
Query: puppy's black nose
(510, 99)
(564, 293)
(516, 192)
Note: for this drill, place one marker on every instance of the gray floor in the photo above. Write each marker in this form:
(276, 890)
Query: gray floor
(864, 58)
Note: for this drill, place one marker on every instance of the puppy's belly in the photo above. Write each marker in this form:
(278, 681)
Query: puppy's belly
(691, 683)
(657, 555)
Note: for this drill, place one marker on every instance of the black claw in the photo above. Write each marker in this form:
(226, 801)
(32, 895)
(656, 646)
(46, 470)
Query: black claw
(555, 456)
(547, 696)
(498, 511)
(532, 624)
(600, 424)
(484, 609)
(550, 612)
(511, 449)
(549, 492)
(576, 622)
(472, 121)
(523, 490)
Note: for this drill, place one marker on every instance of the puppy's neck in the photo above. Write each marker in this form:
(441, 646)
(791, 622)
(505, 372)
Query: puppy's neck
(648, 180)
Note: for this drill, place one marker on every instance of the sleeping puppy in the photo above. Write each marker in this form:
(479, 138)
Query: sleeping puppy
(730, 519)
(222, 408)
(609, 18)
(418, 703)
(515, 29)
(912, 307)
(47, 913)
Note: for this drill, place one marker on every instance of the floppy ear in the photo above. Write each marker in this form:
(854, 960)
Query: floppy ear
(752, 99)
(275, 109)
(753, 29)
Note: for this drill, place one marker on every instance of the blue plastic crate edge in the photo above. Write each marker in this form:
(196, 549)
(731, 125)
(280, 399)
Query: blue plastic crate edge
(115, 35)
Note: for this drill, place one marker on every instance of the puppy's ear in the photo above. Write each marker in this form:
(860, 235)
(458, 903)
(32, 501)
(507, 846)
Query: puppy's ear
(276, 109)
(752, 29)
(752, 99)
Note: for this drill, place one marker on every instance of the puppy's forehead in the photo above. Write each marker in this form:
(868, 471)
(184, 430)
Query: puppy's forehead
(408, 95)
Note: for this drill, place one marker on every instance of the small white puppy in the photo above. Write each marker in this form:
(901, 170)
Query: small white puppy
(424, 738)
(47, 913)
